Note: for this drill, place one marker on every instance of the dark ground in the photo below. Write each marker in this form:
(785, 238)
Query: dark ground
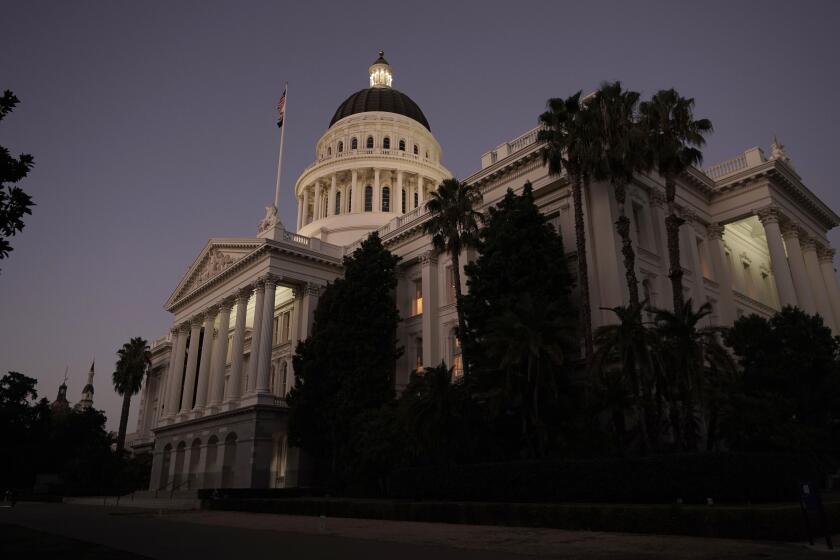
(34, 530)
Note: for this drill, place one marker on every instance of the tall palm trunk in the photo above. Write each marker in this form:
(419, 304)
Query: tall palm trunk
(462, 325)
(123, 422)
(622, 225)
(672, 229)
(583, 270)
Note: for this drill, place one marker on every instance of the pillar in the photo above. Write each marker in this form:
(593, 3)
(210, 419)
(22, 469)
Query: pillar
(331, 200)
(356, 192)
(698, 292)
(818, 289)
(723, 276)
(398, 196)
(266, 339)
(217, 377)
(192, 364)
(431, 301)
(316, 213)
(377, 192)
(306, 300)
(305, 216)
(778, 260)
(253, 360)
(178, 371)
(804, 295)
(237, 356)
(166, 389)
(206, 359)
(826, 256)
(420, 188)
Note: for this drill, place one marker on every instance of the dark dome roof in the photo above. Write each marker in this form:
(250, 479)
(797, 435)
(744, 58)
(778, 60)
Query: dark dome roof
(380, 99)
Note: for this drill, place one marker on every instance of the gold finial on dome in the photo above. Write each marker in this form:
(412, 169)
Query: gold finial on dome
(380, 72)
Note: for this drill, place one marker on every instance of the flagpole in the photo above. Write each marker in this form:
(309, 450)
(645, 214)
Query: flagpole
(280, 156)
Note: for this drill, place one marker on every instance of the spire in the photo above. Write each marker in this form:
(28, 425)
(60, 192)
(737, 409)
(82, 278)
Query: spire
(381, 75)
(60, 402)
(87, 392)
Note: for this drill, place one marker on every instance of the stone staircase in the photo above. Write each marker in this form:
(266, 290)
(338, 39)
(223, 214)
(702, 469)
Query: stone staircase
(146, 499)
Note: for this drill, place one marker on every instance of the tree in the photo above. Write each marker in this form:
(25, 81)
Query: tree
(621, 144)
(432, 402)
(674, 140)
(345, 369)
(522, 328)
(694, 357)
(454, 226)
(14, 202)
(788, 394)
(133, 363)
(566, 131)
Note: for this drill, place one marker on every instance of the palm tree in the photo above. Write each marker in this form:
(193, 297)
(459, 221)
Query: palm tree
(694, 356)
(134, 361)
(674, 140)
(432, 405)
(569, 147)
(454, 226)
(629, 368)
(621, 144)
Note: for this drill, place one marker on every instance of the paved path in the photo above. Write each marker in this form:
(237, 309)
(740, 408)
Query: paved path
(208, 535)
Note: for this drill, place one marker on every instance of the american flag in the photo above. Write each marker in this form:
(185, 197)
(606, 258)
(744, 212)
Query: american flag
(281, 108)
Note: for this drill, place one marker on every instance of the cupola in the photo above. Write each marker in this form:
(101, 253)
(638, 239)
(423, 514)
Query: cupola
(380, 72)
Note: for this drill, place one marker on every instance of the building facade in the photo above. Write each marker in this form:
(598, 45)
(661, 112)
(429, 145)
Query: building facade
(213, 408)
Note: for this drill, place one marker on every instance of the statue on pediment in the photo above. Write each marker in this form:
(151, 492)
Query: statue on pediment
(270, 219)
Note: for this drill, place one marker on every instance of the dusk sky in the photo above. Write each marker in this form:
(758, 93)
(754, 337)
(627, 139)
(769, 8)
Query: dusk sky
(153, 128)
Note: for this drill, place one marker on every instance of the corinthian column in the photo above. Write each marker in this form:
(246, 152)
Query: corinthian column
(316, 214)
(266, 339)
(377, 192)
(178, 370)
(206, 357)
(192, 364)
(797, 269)
(830, 279)
(726, 303)
(818, 289)
(429, 280)
(217, 378)
(169, 380)
(304, 219)
(254, 358)
(331, 200)
(235, 386)
(398, 196)
(778, 261)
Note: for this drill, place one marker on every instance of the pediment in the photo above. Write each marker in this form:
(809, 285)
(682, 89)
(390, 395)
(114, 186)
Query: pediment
(216, 257)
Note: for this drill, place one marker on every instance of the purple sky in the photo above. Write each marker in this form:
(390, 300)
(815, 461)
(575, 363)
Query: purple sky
(152, 124)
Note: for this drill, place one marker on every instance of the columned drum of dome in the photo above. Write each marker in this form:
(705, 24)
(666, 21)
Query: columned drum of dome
(377, 150)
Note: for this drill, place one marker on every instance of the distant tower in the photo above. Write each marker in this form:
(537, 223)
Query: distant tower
(87, 392)
(60, 403)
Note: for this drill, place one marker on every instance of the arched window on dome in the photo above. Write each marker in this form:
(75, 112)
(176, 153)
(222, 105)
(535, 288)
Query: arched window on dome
(403, 201)
(386, 199)
(340, 146)
(386, 143)
(329, 150)
(416, 150)
(337, 203)
(402, 145)
(354, 144)
(368, 199)
(369, 143)
(427, 154)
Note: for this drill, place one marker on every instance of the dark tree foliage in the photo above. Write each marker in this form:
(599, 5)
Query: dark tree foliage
(345, 369)
(523, 330)
(24, 425)
(788, 396)
(14, 202)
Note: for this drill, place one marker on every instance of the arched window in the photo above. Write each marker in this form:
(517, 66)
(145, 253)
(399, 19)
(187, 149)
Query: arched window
(354, 144)
(416, 199)
(427, 154)
(402, 145)
(386, 143)
(403, 201)
(369, 143)
(386, 199)
(416, 150)
(457, 360)
(340, 147)
(368, 198)
(338, 202)
(349, 199)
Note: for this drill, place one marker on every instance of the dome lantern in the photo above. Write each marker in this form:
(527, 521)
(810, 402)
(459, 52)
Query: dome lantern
(380, 72)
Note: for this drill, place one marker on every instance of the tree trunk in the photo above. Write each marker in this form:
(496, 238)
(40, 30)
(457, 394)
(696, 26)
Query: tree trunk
(583, 271)
(123, 422)
(622, 225)
(462, 327)
(672, 229)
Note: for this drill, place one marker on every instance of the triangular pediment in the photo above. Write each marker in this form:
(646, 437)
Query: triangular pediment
(216, 257)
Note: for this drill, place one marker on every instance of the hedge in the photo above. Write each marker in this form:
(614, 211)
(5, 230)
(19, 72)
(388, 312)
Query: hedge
(692, 478)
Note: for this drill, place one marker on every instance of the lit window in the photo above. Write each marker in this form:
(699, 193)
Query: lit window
(457, 360)
(338, 202)
(402, 145)
(340, 147)
(417, 301)
(369, 142)
(386, 143)
(354, 144)
(386, 199)
(368, 198)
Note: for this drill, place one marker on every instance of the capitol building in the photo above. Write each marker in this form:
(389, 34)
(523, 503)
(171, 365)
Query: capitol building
(213, 409)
